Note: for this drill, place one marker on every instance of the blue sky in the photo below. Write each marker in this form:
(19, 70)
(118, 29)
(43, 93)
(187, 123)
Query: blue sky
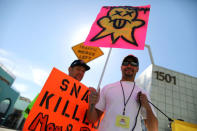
(37, 35)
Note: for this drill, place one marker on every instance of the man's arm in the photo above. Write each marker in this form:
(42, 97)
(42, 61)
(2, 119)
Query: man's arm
(151, 121)
(93, 114)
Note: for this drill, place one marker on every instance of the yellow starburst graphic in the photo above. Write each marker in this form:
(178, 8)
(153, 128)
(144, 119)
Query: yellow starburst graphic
(119, 22)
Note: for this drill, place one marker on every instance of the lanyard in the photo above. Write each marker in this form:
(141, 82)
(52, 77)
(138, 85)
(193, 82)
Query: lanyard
(125, 103)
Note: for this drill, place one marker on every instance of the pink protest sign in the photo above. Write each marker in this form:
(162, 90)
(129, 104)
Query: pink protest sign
(120, 27)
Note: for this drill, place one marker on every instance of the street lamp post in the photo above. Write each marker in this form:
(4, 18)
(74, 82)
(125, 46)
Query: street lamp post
(150, 54)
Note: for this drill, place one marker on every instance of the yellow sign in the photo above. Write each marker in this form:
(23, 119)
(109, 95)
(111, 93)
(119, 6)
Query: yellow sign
(87, 53)
(183, 126)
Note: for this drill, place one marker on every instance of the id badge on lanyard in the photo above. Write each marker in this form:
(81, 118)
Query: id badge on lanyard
(122, 121)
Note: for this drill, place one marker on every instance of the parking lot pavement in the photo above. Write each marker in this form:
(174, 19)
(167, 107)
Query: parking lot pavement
(5, 129)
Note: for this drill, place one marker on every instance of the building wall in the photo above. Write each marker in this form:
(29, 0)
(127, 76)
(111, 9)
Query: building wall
(17, 119)
(21, 104)
(172, 92)
(6, 92)
(6, 78)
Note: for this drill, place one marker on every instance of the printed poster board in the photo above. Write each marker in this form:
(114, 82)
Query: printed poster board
(120, 27)
(86, 53)
(61, 106)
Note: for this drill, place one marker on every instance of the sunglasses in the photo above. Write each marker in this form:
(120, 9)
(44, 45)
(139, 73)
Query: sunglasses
(132, 63)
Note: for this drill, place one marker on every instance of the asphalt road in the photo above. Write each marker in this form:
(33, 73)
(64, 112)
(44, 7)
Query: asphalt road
(5, 129)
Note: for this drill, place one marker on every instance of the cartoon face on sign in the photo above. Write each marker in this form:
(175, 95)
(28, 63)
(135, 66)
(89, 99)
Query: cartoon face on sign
(119, 22)
(120, 17)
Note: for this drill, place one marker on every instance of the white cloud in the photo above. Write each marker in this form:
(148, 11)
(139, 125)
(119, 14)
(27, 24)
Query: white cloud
(5, 60)
(20, 87)
(80, 34)
(23, 69)
(4, 52)
(39, 76)
(20, 69)
(27, 73)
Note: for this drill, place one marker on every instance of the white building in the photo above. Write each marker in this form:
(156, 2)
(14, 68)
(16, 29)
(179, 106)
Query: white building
(20, 106)
(16, 119)
(172, 92)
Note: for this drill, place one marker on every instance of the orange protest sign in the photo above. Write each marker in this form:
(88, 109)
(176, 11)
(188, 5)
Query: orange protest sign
(86, 53)
(61, 106)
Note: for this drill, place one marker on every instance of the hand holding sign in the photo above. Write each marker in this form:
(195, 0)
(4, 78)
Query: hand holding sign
(143, 99)
(94, 96)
